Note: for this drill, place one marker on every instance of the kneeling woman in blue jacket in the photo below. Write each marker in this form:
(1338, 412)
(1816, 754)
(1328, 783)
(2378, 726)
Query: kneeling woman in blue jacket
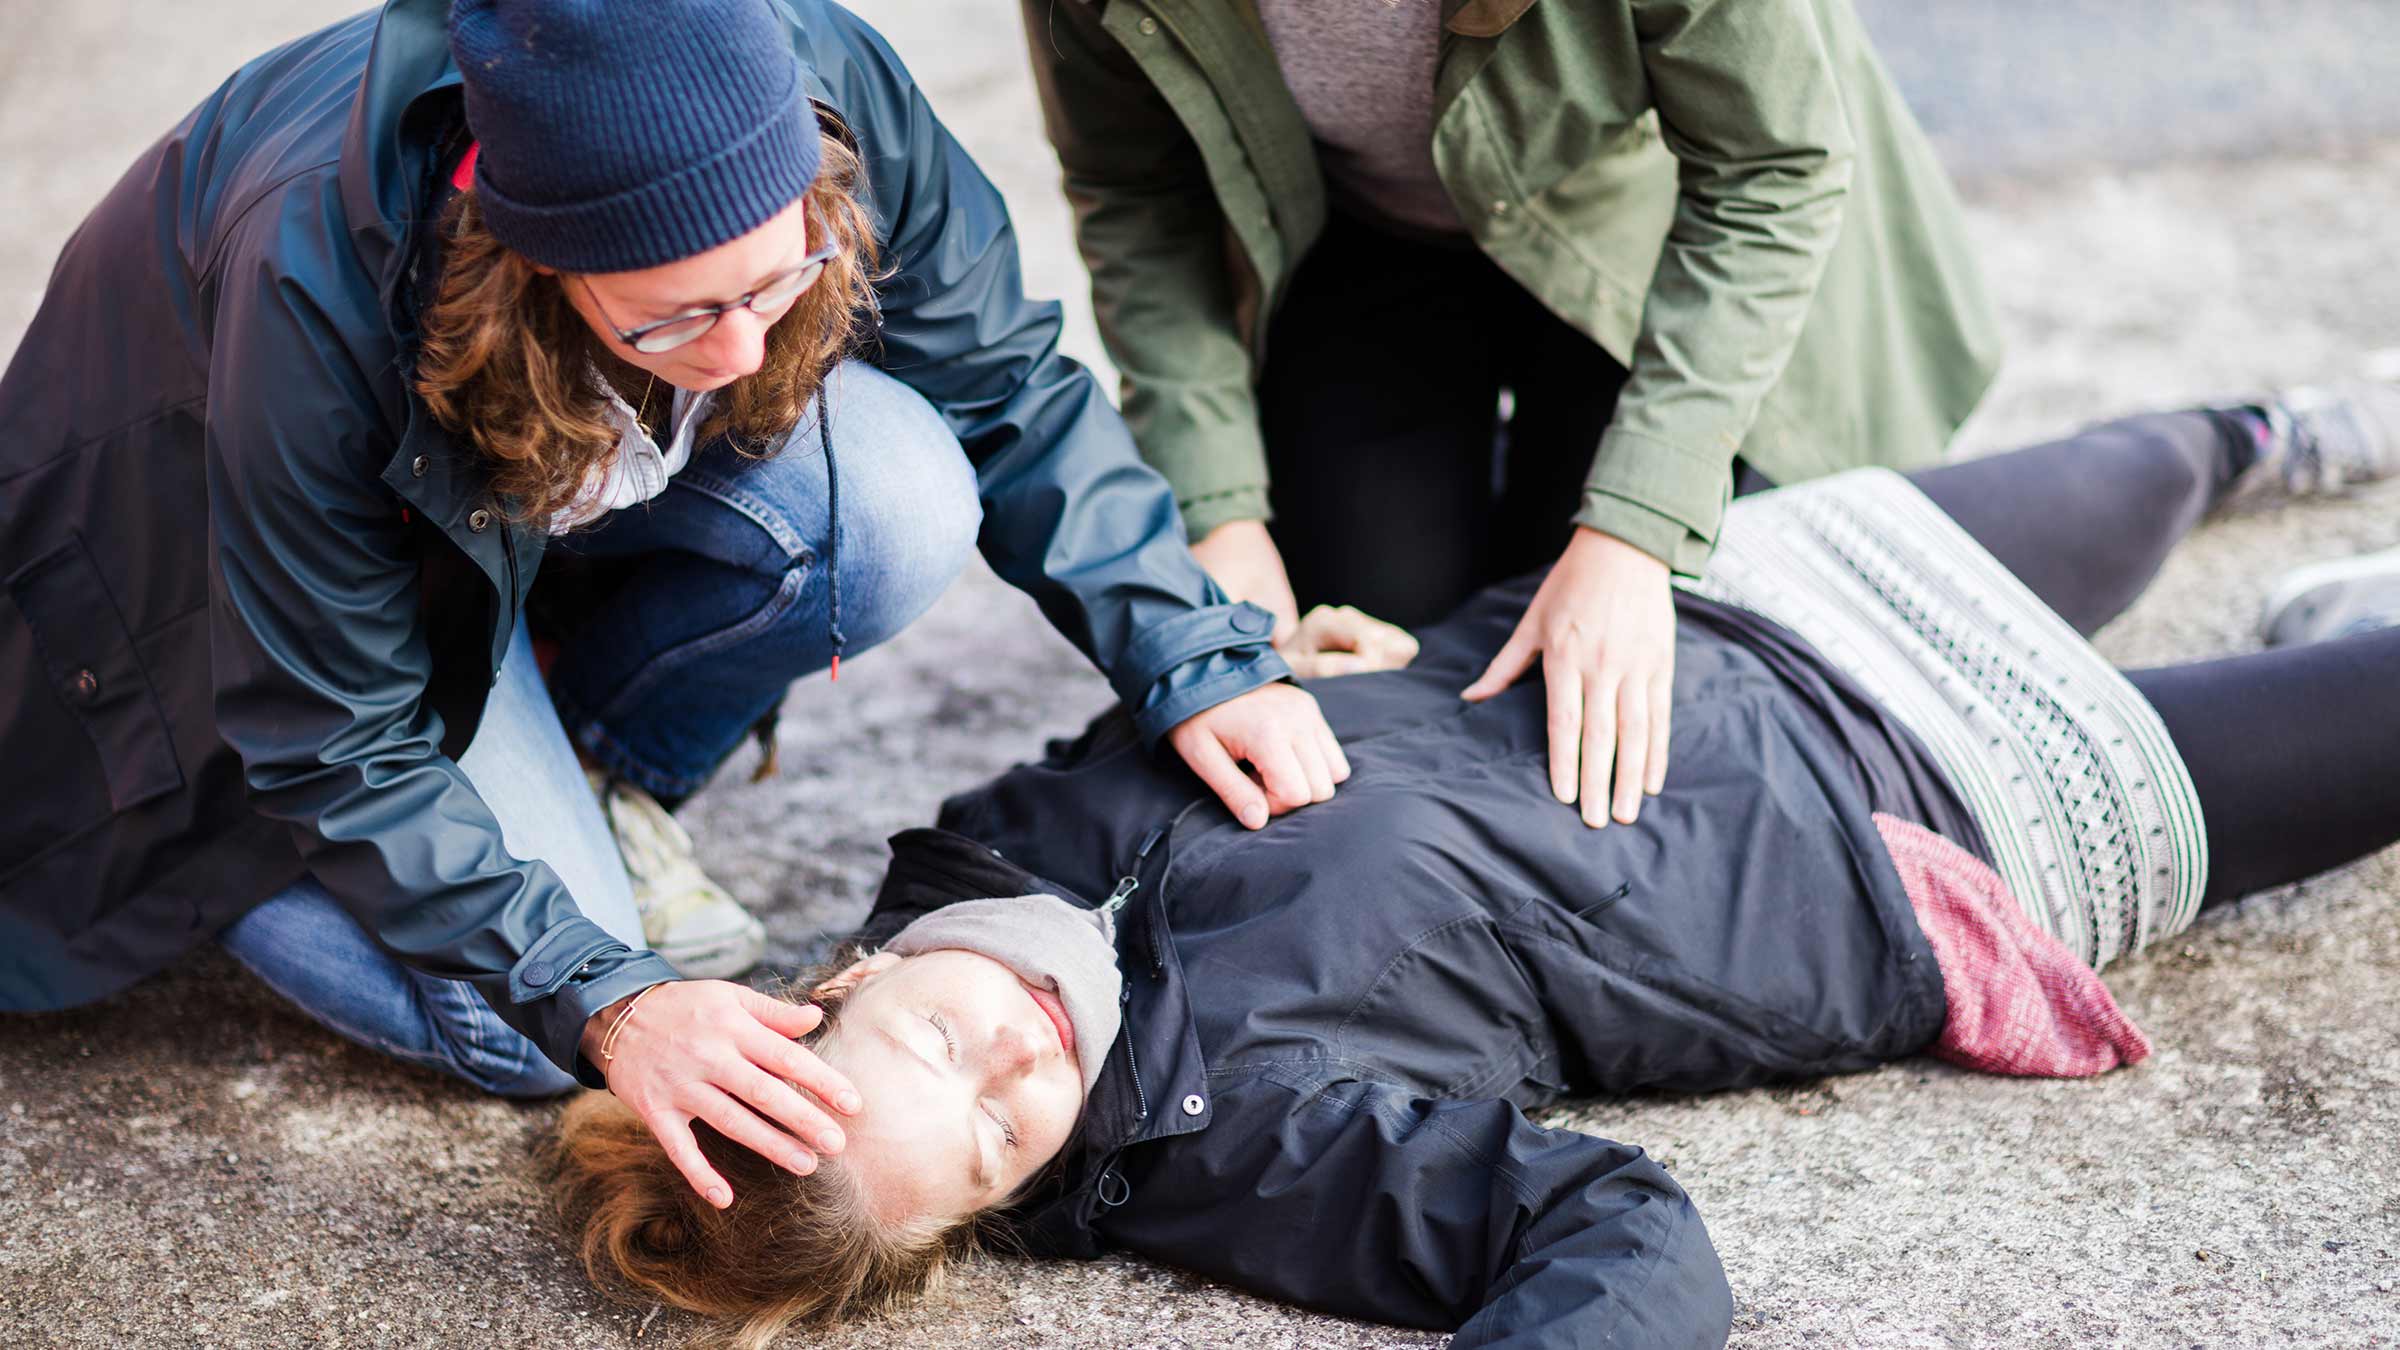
(679, 332)
(1909, 810)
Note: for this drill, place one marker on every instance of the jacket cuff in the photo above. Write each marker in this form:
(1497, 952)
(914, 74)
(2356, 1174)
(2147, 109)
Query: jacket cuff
(1202, 514)
(572, 971)
(1658, 496)
(1684, 553)
(1166, 645)
(1207, 682)
(1195, 661)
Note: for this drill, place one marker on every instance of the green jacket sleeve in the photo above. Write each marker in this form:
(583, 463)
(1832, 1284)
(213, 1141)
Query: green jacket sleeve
(1154, 238)
(1748, 103)
(1071, 516)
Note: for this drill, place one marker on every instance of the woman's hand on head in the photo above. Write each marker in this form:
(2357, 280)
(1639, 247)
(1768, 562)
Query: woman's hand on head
(1339, 640)
(1279, 732)
(722, 1053)
(1603, 628)
(1242, 558)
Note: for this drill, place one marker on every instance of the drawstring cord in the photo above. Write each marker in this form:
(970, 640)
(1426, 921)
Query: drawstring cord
(833, 532)
(770, 751)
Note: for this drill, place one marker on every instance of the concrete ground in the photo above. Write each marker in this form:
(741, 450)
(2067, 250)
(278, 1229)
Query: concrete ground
(194, 1163)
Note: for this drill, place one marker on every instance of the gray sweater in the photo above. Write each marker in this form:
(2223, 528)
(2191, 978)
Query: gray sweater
(1362, 72)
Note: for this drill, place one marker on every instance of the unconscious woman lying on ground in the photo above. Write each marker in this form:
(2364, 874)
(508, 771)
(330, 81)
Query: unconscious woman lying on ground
(1909, 810)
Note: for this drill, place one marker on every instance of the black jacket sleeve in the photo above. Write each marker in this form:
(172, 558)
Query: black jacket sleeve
(1071, 515)
(1362, 1200)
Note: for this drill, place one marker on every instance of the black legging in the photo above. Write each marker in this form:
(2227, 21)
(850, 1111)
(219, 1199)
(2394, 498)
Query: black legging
(1398, 486)
(2295, 751)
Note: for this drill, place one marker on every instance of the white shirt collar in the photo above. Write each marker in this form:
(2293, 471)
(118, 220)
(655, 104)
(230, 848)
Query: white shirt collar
(639, 469)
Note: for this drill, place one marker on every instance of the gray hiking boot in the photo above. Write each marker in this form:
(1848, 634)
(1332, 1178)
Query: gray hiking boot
(2333, 599)
(2321, 440)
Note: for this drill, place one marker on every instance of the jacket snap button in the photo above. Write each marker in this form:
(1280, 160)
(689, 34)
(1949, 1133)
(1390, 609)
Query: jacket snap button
(419, 465)
(1193, 1106)
(1250, 620)
(480, 521)
(86, 686)
(537, 973)
(1149, 28)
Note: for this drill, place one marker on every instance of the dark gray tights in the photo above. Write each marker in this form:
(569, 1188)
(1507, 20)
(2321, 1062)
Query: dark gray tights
(2295, 751)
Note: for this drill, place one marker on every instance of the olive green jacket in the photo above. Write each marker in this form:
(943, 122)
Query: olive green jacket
(1728, 196)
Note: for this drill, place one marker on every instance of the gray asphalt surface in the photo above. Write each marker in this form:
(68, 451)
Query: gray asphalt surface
(2022, 89)
(2172, 201)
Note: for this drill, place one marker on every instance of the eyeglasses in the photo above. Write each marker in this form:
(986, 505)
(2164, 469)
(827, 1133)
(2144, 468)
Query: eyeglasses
(668, 334)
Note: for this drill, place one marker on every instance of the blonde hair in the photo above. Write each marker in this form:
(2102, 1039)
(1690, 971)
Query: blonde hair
(504, 356)
(790, 1249)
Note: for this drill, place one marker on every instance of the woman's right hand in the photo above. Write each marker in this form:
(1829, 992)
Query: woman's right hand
(1241, 555)
(722, 1053)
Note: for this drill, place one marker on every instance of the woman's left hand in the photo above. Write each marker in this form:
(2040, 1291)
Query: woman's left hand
(1279, 731)
(1603, 625)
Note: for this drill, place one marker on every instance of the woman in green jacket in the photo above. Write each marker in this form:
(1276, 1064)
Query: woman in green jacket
(1453, 289)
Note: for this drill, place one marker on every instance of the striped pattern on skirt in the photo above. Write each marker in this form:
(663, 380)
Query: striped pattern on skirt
(2090, 815)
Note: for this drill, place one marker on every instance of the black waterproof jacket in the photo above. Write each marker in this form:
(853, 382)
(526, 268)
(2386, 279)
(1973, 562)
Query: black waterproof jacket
(1332, 1025)
(254, 596)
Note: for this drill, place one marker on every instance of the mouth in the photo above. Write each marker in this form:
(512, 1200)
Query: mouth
(1057, 1013)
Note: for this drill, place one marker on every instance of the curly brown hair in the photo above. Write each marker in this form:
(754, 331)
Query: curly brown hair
(504, 357)
(790, 1249)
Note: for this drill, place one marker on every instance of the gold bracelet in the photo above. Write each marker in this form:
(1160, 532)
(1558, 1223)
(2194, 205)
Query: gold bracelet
(608, 1043)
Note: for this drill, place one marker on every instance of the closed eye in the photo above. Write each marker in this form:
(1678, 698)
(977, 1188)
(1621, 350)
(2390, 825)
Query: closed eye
(1008, 1132)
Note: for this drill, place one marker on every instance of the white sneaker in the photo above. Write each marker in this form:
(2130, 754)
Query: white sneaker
(686, 917)
(2333, 599)
(2322, 441)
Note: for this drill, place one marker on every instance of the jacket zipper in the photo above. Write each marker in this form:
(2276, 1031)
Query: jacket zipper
(1141, 1099)
(1129, 883)
(1126, 886)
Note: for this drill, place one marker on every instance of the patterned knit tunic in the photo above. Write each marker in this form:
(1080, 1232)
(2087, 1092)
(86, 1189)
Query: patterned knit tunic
(2091, 818)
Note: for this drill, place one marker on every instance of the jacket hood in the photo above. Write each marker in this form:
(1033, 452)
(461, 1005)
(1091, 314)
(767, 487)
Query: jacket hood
(388, 148)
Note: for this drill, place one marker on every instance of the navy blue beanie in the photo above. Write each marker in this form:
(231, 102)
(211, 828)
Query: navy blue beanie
(622, 134)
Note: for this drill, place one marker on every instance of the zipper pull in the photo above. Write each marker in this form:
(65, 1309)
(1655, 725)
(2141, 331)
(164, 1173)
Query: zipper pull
(1128, 884)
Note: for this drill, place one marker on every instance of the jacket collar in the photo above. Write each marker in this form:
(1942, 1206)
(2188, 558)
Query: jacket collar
(385, 147)
(384, 167)
(405, 100)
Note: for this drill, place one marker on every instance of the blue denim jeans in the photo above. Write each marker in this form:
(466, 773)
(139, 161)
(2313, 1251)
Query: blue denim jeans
(723, 606)
(302, 944)
(727, 604)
